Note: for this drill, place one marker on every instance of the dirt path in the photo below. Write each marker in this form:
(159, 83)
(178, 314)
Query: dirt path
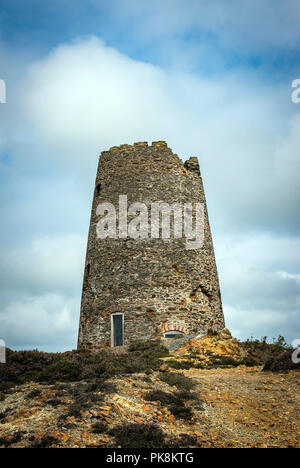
(234, 407)
(247, 407)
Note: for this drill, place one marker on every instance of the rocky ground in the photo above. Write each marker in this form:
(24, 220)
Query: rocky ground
(203, 406)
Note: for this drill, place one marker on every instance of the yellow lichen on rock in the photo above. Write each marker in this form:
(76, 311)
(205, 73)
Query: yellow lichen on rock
(159, 143)
(214, 344)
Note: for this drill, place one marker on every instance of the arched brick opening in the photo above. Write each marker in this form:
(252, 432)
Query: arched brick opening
(173, 330)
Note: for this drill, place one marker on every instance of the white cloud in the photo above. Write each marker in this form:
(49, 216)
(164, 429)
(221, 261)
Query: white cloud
(258, 323)
(289, 276)
(259, 297)
(40, 293)
(85, 97)
(47, 322)
(48, 264)
(248, 26)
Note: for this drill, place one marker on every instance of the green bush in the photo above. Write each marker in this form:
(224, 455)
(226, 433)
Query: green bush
(178, 380)
(180, 364)
(61, 370)
(149, 349)
(130, 435)
(148, 436)
(72, 366)
(182, 441)
(224, 361)
(174, 402)
(281, 363)
(182, 412)
(262, 351)
(83, 400)
(163, 397)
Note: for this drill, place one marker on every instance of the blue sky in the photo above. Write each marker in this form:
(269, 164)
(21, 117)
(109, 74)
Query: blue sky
(214, 80)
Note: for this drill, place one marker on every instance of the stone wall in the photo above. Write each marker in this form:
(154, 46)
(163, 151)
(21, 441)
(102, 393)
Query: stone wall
(155, 283)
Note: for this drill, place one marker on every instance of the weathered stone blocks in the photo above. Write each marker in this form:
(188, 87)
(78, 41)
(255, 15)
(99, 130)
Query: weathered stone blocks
(153, 284)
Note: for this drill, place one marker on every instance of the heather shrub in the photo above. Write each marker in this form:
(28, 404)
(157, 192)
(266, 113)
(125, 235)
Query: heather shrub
(224, 361)
(182, 441)
(282, 362)
(186, 395)
(83, 398)
(142, 435)
(61, 371)
(33, 394)
(54, 402)
(149, 349)
(78, 405)
(148, 436)
(46, 441)
(262, 351)
(178, 380)
(99, 427)
(72, 366)
(100, 385)
(180, 364)
(174, 402)
(163, 397)
(181, 411)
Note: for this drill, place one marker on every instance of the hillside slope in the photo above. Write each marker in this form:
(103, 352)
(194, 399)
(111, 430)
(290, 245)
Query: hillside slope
(212, 403)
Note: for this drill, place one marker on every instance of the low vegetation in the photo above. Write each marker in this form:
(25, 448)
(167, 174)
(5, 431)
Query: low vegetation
(132, 435)
(75, 366)
(148, 397)
(263, 351)
(45, 441)
(282, 362)
(178, 380)
(176, 403)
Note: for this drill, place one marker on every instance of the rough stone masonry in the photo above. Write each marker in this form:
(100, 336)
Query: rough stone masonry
(142, 289)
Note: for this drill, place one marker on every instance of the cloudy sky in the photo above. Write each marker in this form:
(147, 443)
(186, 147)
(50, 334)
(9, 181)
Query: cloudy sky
(213, 79)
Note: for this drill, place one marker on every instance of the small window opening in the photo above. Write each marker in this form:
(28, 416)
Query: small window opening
(117, 330)
(98, 189)
(88, 269)
(82, 331)
(173, 334)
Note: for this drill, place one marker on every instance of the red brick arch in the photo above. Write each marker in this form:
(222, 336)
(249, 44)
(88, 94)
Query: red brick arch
(173, 326)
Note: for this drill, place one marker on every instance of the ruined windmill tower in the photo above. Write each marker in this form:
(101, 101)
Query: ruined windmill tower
(147, 288)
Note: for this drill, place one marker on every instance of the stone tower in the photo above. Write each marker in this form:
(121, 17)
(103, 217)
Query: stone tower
(147, 288)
